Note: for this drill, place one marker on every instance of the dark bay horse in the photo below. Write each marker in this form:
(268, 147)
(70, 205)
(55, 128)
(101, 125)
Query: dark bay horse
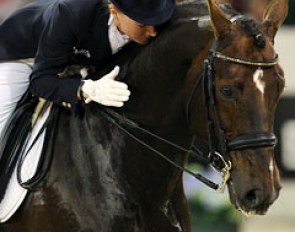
(102, 180)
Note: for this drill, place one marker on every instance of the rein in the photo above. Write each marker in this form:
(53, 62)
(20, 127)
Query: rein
(119, 120)
(218, 150)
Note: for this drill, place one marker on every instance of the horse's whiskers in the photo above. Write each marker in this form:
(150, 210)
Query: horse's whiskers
(248, 214)
(237, 204)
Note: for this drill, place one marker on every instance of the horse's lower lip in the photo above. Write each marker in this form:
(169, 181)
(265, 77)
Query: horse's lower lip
(249, 213)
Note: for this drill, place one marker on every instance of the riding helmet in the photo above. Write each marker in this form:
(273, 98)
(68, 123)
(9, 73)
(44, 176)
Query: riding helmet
(147, 12)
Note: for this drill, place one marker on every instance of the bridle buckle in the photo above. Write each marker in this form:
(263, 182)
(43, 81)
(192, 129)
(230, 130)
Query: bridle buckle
(224, 170)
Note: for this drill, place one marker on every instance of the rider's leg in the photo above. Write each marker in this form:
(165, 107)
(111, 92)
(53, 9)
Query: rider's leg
(14, 81)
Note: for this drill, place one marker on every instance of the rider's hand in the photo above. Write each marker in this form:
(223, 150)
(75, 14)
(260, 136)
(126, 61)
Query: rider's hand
(106, 90)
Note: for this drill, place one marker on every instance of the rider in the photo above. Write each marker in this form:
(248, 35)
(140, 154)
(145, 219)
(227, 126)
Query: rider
(57, 33)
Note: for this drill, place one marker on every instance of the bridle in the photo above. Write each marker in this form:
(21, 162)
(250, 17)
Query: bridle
(219, 146)
(247, 141)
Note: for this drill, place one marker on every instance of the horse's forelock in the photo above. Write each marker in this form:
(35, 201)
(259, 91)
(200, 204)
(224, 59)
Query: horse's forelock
(251, 28)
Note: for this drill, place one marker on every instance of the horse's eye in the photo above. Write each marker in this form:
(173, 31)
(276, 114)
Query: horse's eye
(227, 92)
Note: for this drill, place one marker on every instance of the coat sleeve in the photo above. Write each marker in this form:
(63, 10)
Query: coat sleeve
(55, 46)
(19, 33)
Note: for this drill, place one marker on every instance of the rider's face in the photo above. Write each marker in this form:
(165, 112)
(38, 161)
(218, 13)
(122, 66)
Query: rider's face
(135, 31)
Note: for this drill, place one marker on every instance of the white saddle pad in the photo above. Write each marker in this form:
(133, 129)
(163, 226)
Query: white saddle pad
(15, 194)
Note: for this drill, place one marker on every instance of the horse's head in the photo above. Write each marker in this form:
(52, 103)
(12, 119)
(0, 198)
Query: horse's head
(247, 84)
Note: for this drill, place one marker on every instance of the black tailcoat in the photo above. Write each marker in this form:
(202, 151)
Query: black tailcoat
(56, 33)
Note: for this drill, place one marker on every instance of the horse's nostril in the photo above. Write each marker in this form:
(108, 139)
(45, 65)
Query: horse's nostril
(252, 198)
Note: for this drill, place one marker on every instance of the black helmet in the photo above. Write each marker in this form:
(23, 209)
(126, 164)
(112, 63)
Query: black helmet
(147, 12)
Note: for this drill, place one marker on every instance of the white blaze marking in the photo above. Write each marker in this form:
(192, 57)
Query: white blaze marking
(271, 168)
(257, 78)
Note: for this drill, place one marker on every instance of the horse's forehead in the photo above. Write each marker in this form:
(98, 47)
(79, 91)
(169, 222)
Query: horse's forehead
(243, 46)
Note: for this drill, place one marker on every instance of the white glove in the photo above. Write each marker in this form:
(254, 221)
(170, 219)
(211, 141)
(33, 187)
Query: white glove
(106, 90)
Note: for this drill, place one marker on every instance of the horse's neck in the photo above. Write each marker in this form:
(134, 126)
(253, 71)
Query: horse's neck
(163, 76)
(161, 89)
(86, 174)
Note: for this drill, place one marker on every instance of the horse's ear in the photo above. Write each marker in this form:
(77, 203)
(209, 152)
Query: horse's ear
(274, 15)
(220, 22)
